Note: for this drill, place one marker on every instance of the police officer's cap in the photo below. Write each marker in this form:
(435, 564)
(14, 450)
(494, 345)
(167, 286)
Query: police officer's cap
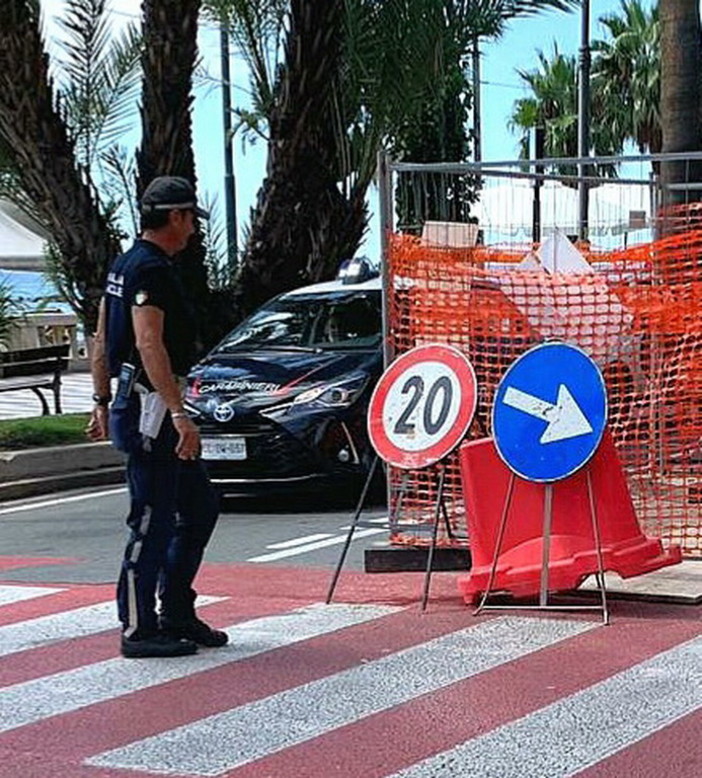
(168, 192)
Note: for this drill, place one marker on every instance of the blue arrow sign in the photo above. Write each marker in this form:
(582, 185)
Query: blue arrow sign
(550, 412)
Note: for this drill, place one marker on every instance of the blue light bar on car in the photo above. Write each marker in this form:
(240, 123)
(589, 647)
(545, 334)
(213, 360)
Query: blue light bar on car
(356, 270)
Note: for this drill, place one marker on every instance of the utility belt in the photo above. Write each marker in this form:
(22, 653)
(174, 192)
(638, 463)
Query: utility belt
(132, 379)
(153, 408)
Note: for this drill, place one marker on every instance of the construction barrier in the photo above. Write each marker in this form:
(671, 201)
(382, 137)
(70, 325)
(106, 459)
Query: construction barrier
(635, 310)
(574, 546)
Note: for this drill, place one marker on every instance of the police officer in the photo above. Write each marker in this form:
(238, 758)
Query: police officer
(145, 339)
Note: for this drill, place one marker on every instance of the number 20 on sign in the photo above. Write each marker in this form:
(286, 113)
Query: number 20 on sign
(422, 406)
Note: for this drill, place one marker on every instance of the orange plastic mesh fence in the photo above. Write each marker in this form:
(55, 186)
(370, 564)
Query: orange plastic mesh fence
(635, 311)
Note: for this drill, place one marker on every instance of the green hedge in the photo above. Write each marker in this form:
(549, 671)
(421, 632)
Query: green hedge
(43, 431)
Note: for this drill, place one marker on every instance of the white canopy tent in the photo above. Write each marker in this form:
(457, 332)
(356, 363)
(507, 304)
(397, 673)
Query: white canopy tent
(618, 213)
(21, 240)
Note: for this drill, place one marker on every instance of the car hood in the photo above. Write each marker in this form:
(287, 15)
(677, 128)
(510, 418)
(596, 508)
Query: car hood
(269, 377)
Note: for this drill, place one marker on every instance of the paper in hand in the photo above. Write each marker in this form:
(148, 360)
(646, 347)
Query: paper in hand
(153, 409)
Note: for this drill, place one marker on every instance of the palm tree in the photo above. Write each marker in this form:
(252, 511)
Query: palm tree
(97, 80)
(355, 76)
(681, 61)
(300, 210)
(69, 131)
(41, 162)
(554, 107)
(626, 75)
(168, 61)
(257, 29)
(324, 116)
(440, 132)
(625, 94)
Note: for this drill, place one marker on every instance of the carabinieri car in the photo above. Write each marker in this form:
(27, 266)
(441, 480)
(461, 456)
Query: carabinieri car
(281, 401)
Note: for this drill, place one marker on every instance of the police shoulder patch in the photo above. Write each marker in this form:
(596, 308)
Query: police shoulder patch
(141, 297)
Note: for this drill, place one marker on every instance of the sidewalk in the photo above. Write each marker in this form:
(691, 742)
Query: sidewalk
(39, 471)
(76, 397)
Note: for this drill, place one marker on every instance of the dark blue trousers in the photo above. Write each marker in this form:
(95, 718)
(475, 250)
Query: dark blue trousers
(173, 510)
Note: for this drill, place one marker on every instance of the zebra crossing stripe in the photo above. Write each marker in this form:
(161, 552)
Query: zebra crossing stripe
(43, 630)
(75, 623)
(332, 541)
(31, 701)
(565, 738)
(12, 594)
(231, 739)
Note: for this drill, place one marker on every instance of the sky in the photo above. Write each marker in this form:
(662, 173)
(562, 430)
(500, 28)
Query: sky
(501, 86)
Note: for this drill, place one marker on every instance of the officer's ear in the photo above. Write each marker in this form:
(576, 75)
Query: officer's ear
(177, 216)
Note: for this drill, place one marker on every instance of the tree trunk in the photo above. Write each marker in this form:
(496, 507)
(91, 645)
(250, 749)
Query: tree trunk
(681, 62)
(32, 127)
(303, 225)
(168, 62)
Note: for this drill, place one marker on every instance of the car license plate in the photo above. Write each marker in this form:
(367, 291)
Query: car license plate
(229, 447)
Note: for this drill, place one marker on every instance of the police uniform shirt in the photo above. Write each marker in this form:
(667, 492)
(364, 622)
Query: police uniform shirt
(145, 275)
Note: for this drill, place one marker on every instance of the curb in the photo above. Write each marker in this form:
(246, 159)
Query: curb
(34, 487)
(37, 471)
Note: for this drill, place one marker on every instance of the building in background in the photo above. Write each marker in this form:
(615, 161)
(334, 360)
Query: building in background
(22, 240)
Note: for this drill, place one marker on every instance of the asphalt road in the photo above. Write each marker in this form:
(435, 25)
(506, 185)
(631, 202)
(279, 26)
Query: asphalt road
(88, 526)
(368, 687)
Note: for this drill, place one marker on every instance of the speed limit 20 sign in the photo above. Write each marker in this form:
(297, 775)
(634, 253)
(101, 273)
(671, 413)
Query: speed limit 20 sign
(422, 406)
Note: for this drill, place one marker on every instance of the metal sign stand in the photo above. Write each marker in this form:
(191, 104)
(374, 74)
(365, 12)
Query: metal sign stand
(546, 549)
(439, 509)
(420, 410)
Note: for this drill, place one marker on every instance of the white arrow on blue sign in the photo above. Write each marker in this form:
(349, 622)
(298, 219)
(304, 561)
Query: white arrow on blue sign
(550, 412)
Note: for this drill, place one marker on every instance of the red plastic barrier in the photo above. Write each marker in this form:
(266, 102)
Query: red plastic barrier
(573, 556)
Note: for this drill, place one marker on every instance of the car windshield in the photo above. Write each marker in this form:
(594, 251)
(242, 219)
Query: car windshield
(344, 319)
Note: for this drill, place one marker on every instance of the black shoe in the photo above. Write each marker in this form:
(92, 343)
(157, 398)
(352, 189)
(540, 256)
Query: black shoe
(195, 630)
(157, 645)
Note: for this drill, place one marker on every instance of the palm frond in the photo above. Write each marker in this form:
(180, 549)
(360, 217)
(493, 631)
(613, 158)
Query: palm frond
(10, 312)
(394, 56)
(220, 267)
(118, 167)
(118, 86)
(488, 18)
(86, 36)
(256, 28)
(626, 74)
(98, 76)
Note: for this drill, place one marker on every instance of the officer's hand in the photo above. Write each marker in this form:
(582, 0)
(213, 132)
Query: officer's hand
(97, 426)
(188, 446)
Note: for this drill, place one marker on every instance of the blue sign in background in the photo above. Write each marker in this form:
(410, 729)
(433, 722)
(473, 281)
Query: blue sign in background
(549, 412)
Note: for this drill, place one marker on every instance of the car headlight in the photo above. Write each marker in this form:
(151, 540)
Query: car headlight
(339, 394)
(336, 394)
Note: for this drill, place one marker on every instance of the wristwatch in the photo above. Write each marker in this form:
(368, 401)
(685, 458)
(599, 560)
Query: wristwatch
(99, 399)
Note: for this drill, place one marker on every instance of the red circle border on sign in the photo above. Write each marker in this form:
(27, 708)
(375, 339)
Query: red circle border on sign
(461, 366)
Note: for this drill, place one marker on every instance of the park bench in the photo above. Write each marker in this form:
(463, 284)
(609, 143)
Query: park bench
(35, 369)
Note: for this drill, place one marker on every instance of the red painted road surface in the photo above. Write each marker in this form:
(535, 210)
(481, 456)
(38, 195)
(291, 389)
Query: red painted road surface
(368, 687)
